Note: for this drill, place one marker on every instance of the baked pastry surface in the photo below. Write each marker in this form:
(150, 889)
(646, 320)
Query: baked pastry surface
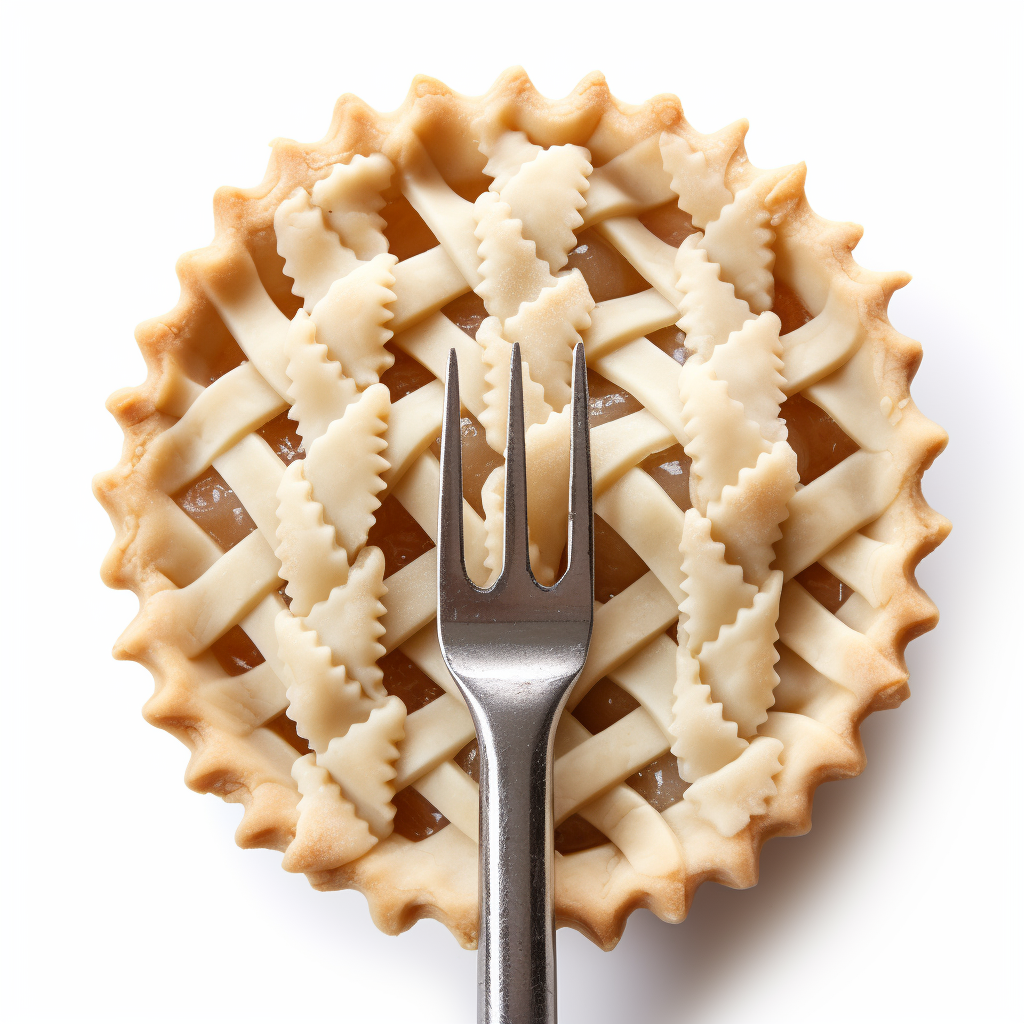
(757, 465)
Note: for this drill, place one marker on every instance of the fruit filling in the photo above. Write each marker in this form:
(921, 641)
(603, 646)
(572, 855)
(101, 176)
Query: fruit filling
(819, 443)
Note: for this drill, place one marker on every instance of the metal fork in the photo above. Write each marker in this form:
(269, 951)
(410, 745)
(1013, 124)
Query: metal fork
(515, 651)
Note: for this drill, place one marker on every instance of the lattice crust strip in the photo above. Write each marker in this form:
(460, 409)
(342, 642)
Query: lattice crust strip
(760, 698)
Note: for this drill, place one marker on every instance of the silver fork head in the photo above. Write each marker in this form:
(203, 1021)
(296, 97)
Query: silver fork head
(517, 627)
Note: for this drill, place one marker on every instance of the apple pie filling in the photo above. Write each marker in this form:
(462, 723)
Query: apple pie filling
(817, 439)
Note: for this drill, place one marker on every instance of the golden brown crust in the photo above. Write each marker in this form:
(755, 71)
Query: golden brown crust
(246, 763)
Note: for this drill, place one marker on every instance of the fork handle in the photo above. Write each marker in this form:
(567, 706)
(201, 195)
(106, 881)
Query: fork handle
(516, 958)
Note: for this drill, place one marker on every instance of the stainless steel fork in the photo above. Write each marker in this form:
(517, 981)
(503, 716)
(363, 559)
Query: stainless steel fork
(515, 651)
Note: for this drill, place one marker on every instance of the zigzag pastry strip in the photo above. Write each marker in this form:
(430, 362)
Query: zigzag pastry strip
(738, 665)
(348, 621)
(741, 789)
(751, 363)
(350, 319)
(510, 270)
(546, 195)
(548, 329)
(714, 589)
(320, 392)
(345, 467)
(314, 256)
(311, 561)
(497, 356)
(328, 833)
(326, 239)
(723, 440)
(323, 701)
(740, 240)
(709, 307)
(743, 474)
(704, 741)
(747, 517)
(350, 198)
(360, 755)
(701, 187)
(363, 762)
(506, 153)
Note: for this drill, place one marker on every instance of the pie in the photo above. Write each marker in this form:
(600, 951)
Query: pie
(757, 461)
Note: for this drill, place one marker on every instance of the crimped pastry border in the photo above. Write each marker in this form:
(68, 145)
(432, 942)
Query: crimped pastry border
(238, 762)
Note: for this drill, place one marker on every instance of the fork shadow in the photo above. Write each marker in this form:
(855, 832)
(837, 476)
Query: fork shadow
(687, 964)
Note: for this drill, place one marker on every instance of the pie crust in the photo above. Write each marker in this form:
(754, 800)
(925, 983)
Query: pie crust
(315, 278)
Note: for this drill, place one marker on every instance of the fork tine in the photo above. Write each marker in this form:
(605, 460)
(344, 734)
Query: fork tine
(451, 565)
(517, 535)
(581, 512)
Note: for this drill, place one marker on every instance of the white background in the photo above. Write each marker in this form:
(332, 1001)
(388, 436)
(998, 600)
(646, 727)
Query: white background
(125, 897)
